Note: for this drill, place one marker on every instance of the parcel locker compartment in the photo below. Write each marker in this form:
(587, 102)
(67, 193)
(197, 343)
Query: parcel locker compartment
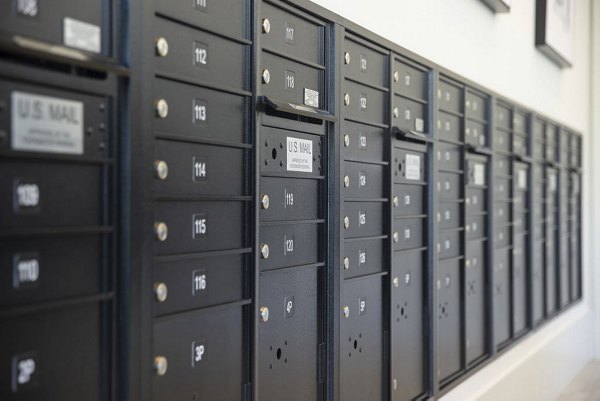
(363, 219)
(408, 164)
(449, 157)
(84, 25)
(49, 269)
(46, 353)
(189, 227)
(476, 226)
(292, 82)
(449, 186)
(365, 104)
(228, 17)
(408, 328)
(450, 96)
(289, 199)
(410, 115)
(551, 276)
(475, 133)
(449, 214)
(410, 80)
(49, 121)
(409, 233)
(193, 283)
(199, 169)
(288, 339)
(476, 200)
(537, 285)
(502, 236)
(520, 122)
(476, 106)
(502, 141)
(520, 145)
(363, 256)
(204, 353)
(363, 180)
(503, 116)
(449, 316)
(290, 152)
(409, 200)
(449, 243)
(365, 63)
(520, 289)
(364, 142)
(291, 34)
(37, 195)
(449, 127)
(361, 340)
(475, 301)
(210, 59)
(502, 294)
(502, 213)
(502, 188)
(289, 244)
(198, 114)
(477, 171)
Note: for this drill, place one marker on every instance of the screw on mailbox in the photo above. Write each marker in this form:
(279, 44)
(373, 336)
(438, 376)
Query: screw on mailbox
(160, 291)
(162, 108)
(162, 47)
(161, 169)
(264, 314)
(160, 365)
(161, 230)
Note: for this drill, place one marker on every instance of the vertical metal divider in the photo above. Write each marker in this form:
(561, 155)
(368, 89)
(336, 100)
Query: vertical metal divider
(530, 238)
(432, 262)
(511, 268)
(463, 270)
(387, 294)
(491, 283)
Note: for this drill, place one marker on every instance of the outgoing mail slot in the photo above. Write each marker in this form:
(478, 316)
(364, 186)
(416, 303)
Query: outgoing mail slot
(520, 122)
(291, 152)
(365, 104)
(450, 96)
(200, 57)
(205, 355)
(449, 186)
(200, 169)
(502, 301)
(49, 269)
(476, 200)
(198, 226)
(291, 34)
(361, 340)
(409, 200)
(449, 127)
(476, 226)
(502, 236)
(215, 116)
(292, 82)
(502, 188)
(448, 313)
(409, 233)
(502, 141)
(43, 354)
(288, 339)
(364, 180)
(502, 213)
(36, 195)
(503, 116)
(449, 243)
(364, 142)
(289, 244)
(223, 16)
(365, 63)
(449, 214)
(364, 219)
(449, 157)
(199, 282)
(475, 301)
(289, 199)
(476, 106)
(503, 165)
(475, 133)
(412, 80)
(410, 115)
(365, 256)
(409, 165)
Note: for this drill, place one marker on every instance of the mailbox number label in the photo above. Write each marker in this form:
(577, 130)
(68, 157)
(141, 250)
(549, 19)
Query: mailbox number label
(26, 271)
(200, 54)
(198, 352)
(199, 172)
(199, 111)
(200, 227)
(199, 282)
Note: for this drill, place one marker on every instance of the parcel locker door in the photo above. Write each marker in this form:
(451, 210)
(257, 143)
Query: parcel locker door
(502, 294)
(449, 317)
(475, 300)
(361, 340)
(288, 335)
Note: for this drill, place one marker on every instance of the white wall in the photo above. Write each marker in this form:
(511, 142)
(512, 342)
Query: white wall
(497, 51)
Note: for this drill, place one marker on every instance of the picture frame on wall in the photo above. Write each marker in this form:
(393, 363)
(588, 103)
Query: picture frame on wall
(554, 30)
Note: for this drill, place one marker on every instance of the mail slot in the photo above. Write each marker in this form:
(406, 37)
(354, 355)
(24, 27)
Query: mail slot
(476, 200)
(503, 165)
(210, 58)
(476, 226)
(410, 115)
(449, 214)
(290, 152)
(450, 96)
(364, 256)
(198, 114)
(475, 133)
(364, 219)
(364, 143)
(502, 141)
(449, 186)
(502, 213)
(409, 233)
(361, 340)
(409, 200)
(502, 236)
(365, 63)
(289, 244)
(364, 180)
(287, 340)
(198, 226)
(199, 282)
(449, 243)
(227, 17)
(448, 314)
(45, 353)
(49, 269)
(475, 301)
(476, 106)
(520, 122)
(291, 34)
(409, 164)
(205, 355)
(410, 79)
(36, 195)
(520, 145)
(289, 199)
(365, 104)
(449, 127)
(537, 297)
(502, 187)
(408, 328)
(449, 157)
(502, 294)
(503, 116)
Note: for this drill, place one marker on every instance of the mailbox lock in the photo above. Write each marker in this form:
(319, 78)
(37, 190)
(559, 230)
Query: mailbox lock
(346, 222)
(160, 291)
(160, 365)
(264, 202)
(266, 25)
(264, 314)
(396, 236)
(266, 76)
(162, 108)
(346, 311)
(162, 47)
(347, 58)
(161, 230)
(264, 251)
(346, 181)
(396, 112)
(346, 140)
(346, 263)
(346, 99)
(396, 282)
(161, 169)
(396, 76)
(395, 201)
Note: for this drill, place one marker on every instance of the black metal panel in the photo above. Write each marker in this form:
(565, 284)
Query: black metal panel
(289, 244)
(449, 319)
(365, 256)
(410, 80)
(289, 199)
(365, 63)
(502, 295)
(475, 300)
(364, 180)
(365, 142)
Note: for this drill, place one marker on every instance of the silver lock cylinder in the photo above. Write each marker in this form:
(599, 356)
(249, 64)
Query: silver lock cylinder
(266, 76)
(161, 230)
(264, 202)
(395, 201)
(161, 169)
(346, 99)
(160, 365)
(162, 108)
(396, 237)
(347, 58)
(346, 222)
(264, 251)
(162, 47)
(160, 292)
(346, 140)
(396, 76)
(346, 181)
(346, 311)
(264, 314)
(346, 263)
(266, 25)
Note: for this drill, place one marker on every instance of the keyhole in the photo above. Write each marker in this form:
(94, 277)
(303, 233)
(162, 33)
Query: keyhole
(274, 153)
(355, 344)
(278, 353)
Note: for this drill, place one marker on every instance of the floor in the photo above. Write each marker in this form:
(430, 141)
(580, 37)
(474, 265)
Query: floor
(586, 386)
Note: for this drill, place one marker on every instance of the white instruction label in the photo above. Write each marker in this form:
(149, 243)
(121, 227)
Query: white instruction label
(479, 174)
(522, 179)
(413, 167)
(46, 124)
(311, 98)
(81, 35)
(299, 155)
